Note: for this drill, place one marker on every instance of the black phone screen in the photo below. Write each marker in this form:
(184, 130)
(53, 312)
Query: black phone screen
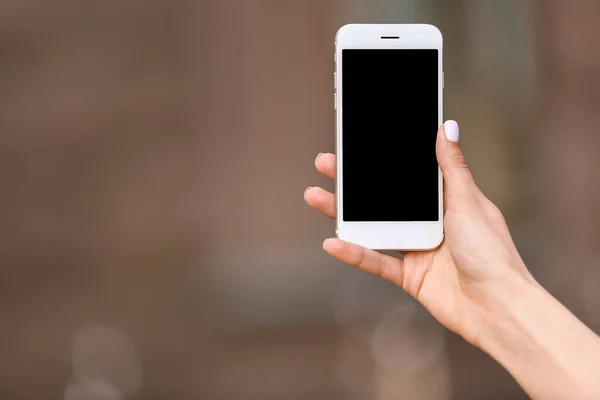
(389, 128)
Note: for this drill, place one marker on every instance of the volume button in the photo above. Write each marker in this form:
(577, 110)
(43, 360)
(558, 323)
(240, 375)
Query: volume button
(335, 101)
(334, 81)
(443, 80)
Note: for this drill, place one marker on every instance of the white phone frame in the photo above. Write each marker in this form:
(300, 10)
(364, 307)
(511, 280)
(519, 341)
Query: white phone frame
(386, 235)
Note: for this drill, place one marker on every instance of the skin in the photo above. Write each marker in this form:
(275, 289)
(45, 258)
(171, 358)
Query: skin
(476, 284)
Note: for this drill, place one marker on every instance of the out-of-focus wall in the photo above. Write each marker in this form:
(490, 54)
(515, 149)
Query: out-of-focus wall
(154, 242)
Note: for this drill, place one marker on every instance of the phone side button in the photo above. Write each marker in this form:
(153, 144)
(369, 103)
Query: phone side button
(443, 80)
(335, 101)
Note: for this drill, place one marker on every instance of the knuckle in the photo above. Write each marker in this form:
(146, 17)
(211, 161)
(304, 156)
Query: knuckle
(382, 265)
(458, 161)
(361, 258)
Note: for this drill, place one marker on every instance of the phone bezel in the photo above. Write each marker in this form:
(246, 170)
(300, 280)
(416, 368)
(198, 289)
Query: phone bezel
(387, 235)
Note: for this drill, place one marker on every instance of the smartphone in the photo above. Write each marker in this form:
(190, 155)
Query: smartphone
(388, 101)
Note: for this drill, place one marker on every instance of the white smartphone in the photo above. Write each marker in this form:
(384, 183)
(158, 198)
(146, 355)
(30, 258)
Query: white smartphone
(388, 100)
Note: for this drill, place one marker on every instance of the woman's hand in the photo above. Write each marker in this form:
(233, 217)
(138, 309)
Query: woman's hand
(476, 284)
(461, 281)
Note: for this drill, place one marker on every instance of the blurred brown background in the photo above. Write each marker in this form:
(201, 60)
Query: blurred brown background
(154, 243)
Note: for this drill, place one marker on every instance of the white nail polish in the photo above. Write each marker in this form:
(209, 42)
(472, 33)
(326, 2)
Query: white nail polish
(451, 129)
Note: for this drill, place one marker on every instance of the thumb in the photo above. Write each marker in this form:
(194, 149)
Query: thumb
(457, 176)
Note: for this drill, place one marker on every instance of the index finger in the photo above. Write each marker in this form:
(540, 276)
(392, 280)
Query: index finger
(371, 261)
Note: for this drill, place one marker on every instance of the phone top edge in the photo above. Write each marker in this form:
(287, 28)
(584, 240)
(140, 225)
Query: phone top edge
(355, 28)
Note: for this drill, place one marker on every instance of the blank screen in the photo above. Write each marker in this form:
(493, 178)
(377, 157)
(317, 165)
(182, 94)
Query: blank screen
(389, 126)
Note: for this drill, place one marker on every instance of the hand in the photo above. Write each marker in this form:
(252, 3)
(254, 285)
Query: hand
(476, 284)
(462, 280)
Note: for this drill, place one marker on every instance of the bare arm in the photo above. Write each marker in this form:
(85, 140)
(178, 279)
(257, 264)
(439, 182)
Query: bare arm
(551, 353)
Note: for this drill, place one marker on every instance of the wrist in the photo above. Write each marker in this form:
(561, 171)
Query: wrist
(544, 346)
(505, 296)
(503, 325)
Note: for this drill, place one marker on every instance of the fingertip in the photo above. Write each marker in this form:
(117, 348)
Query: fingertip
(324, 161)
(306, 192)
(332, 245)
(440, 133)
(317, 158)
(321, 200)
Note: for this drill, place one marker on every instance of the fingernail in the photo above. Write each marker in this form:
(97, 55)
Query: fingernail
(451, 129)
(318, 155)
(325, 243)
(306, 191)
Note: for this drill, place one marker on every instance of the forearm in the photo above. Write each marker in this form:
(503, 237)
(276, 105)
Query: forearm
(543, 345)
